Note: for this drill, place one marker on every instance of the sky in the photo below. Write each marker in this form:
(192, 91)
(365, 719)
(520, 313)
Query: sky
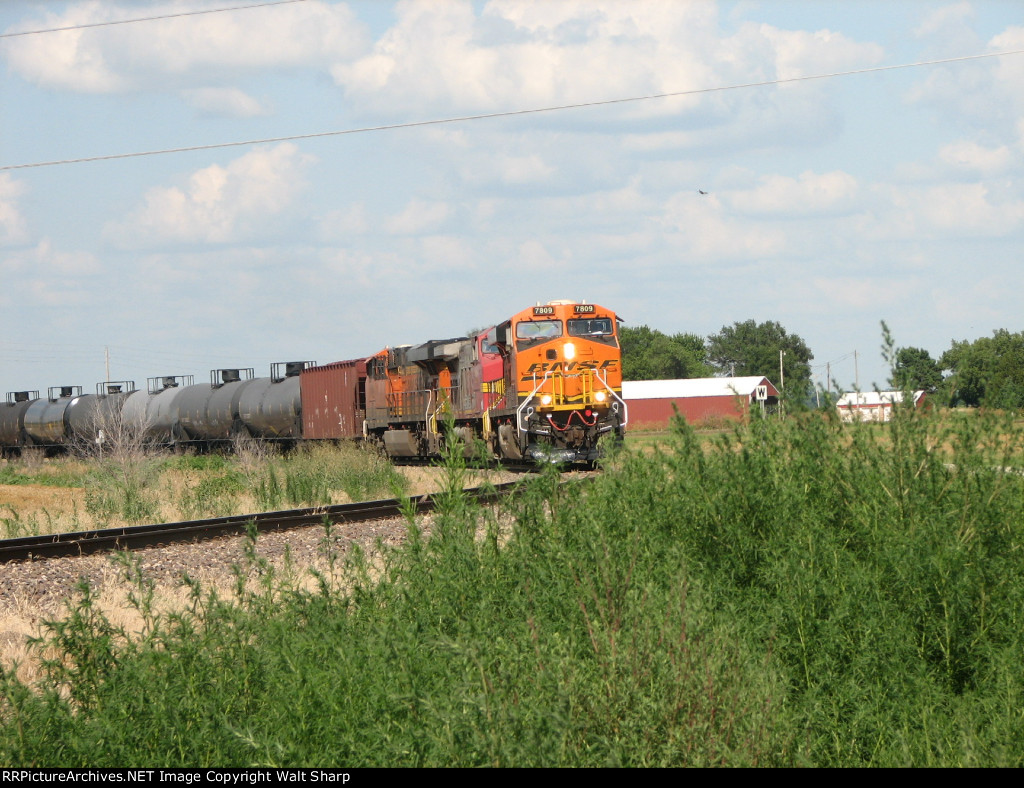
(324, 213)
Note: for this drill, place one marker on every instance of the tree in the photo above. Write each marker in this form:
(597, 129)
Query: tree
(751, 348)
(915, 370)
(988, 372)
(648, 354)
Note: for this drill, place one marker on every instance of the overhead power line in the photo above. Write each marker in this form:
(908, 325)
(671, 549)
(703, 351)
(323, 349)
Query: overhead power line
(504, 114)
(148, 18)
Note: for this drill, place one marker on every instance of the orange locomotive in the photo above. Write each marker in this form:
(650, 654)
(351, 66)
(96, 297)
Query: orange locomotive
(565, 367)
(544, 385)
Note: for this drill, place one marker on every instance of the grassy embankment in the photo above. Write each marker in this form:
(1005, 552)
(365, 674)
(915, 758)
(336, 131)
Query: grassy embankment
(142, 486)
(794, 593)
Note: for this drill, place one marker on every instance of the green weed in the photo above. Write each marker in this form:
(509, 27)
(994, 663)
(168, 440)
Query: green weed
(797, 592)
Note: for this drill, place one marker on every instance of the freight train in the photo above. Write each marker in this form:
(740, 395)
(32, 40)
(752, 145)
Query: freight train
(544, 385)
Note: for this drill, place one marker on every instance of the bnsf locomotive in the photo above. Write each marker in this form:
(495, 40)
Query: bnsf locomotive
(544, 385)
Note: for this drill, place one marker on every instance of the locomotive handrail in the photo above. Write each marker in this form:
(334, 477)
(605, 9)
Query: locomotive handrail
(429, 417)
(445, 397)
(625, 408)
(525, 402)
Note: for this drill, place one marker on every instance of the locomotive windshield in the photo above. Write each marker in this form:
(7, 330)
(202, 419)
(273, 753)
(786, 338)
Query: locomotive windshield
(539, 329)
(590, 327)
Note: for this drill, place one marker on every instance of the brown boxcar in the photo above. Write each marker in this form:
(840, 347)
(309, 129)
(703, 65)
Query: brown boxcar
(334, 400)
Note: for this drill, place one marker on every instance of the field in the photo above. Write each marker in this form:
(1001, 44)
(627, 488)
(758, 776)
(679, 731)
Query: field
(784, 593)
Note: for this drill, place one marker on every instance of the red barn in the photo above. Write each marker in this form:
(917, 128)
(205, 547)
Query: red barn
(652, 403)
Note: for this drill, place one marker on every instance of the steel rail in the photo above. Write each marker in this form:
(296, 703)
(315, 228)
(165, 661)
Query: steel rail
(28, 548)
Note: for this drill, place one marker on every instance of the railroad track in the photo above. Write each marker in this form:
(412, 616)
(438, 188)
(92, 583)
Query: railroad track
(28, 548)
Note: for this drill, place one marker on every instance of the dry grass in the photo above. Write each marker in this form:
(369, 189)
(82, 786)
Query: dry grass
(22, 616)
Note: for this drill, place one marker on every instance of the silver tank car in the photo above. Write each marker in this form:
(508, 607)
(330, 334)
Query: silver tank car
(44, 419)
(93, 418)
(271, 407)
(12, 418)
(210, 412)
(155, 410)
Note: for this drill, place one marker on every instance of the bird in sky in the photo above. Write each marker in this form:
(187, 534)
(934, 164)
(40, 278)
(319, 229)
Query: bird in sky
(701, 191)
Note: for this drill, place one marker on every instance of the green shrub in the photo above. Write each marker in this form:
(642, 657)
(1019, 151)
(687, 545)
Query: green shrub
(198, 462)
(123, 490)
(311, 474)
(212, 496)
(792, 593)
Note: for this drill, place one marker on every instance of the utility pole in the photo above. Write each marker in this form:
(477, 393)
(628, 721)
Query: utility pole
(782, 380)
(106, 356)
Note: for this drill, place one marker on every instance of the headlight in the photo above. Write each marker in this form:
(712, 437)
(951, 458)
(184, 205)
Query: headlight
(569, 350)
(545, 399)
(600, 396)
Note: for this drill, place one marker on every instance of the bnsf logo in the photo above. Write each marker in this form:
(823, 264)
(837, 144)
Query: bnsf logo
(541, 367)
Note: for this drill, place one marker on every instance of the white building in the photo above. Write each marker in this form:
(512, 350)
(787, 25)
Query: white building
(872, 405)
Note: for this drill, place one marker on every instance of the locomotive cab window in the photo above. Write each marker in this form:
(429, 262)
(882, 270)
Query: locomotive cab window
(539, 329)
(591, 327)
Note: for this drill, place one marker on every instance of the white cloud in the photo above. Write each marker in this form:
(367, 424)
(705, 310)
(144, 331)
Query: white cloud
(973, 157)
(701, 230)
(65, 264)
(966, 209)
(47, 277)
(219, 204)
(1008, 71)
(948, 211)
(47, 262)
(184, 51)
(12, 222)
(448, 252)
(418, 216)
(801, 53)
(344, 222)
(505, 168)
(224, 102)
(955, 17)
(362, 268)
(983, 94)
(535, 256)
(865, 292)
(810, 194)
(519, 54)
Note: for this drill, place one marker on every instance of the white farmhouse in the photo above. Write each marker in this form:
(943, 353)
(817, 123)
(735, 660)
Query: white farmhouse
(872, 405)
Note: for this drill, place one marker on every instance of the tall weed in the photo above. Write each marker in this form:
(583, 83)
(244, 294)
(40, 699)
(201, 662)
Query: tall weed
(324, 474)
(791, 593)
